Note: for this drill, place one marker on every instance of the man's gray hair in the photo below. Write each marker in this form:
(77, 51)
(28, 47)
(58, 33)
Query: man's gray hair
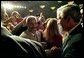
(71, 10)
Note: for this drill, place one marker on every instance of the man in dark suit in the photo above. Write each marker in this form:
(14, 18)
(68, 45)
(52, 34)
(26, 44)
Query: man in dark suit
(15, 46)
(70, 20)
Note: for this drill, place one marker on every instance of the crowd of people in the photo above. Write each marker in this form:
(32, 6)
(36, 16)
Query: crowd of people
(36, 36)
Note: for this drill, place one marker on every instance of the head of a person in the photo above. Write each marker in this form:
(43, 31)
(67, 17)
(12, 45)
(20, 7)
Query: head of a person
(6, 16)
(81, 9)
(37, 16)
(51, 28)
(81, 12)
(31, 22)
(15, 14)
(69, 16)
(41, 20)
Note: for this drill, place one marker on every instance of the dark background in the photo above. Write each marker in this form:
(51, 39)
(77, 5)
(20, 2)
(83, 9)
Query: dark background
(35, 5)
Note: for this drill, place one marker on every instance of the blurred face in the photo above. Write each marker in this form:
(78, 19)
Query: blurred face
(32, 24)
(63, 23)
(40, 25)
(67, 24)
(81, 12)
(6, 17)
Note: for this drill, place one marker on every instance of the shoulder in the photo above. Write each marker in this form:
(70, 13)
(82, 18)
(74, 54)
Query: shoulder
(23, 34)
(76, 37)
(74, 46)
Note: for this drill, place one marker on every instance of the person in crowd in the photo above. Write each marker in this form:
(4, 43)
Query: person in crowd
(70, 20)
(13, 20)
(15, 46)
(22, 26)
(82, 16)
(51, 33)
(40, 22)
(19, 28)
(37, 16)
(81, 10)
(6, 16)
(40, 26)
(31, 23)
(52, 36)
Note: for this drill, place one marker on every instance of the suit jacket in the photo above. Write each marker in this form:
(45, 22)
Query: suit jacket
(14, 46)
(73, 45)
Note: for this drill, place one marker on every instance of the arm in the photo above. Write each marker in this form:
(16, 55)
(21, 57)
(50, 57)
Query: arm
(8, 20)
(19, 28)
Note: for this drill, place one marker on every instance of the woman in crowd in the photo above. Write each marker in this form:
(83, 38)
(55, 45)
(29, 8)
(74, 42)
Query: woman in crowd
(51, 33)
(51, 36)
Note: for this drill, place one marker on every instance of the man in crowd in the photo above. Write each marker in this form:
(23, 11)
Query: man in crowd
(70, 20)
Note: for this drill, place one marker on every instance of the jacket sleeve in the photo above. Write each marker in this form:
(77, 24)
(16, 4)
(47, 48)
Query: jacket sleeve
(18, 29)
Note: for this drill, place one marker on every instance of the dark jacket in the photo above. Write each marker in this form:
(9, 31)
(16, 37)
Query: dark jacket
(14, 46)
(19, 29)
(73, 45)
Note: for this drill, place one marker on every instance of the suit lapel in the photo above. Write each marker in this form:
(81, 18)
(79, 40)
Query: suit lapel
(65, 41)
(69, 41)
